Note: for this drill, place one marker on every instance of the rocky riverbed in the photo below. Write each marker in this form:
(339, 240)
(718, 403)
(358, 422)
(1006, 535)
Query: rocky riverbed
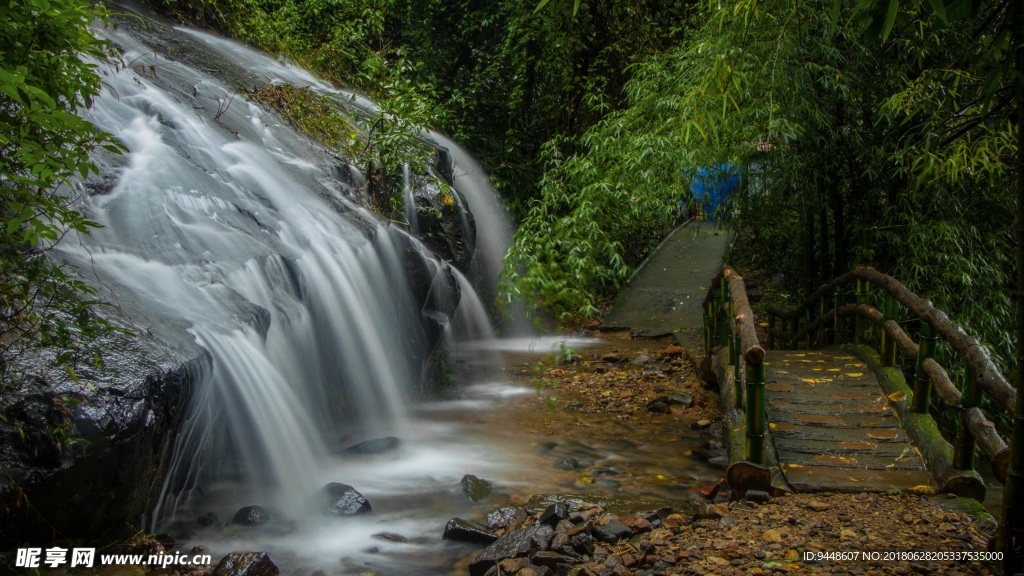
(623, 476)
(639, 382)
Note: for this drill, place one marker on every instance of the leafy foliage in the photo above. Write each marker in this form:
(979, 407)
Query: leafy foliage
(44, 79)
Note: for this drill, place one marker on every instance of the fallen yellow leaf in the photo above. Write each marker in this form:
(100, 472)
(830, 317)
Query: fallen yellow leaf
(896, 396)
(854, 374)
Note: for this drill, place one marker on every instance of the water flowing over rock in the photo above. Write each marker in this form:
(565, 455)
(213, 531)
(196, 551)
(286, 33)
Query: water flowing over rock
(343, 500)
(375, 446)
(273, 304)
(123, 431)
(246, 564)
(251, 516)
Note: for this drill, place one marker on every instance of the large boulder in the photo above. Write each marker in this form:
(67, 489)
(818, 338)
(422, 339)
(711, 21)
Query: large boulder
(81, 458)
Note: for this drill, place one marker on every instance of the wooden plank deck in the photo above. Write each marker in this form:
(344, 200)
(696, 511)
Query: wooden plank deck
(833, 428)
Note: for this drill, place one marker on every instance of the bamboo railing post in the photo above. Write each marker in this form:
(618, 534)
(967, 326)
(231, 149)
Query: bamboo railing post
(757, 416)
(858, 321)
(963, 451)
(923, 384)
(737, 380)
(888, 351)
(807, 320)
(835, 318)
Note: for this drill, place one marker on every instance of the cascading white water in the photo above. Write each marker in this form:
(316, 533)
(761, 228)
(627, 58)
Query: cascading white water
(408, 200)
(493, 225)
(225, 230)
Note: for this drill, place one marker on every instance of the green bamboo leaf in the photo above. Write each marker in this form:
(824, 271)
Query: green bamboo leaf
(939, 7)
(890, 19)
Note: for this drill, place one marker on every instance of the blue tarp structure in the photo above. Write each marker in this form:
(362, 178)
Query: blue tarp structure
(711, 186)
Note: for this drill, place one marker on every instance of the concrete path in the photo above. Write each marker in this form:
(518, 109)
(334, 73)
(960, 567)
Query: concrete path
(664, 296)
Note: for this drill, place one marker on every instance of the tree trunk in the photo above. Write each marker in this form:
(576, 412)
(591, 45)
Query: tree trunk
(809, 269)
(823, 252)
(839, 231)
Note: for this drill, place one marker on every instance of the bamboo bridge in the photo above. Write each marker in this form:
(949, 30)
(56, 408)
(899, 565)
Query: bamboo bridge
(823, 410)
(834, 395)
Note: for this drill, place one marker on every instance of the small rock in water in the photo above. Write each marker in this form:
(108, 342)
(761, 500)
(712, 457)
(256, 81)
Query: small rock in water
(468, 531)
(514, 544)
(246, 564)
(474, 488)
(554, 514)
(658, 406)
(505, 517)
(568, 464)
(375, 446)
(758, 496)
(612, 358)
(209, 519)
(611, 530)
(343, 500)
(251, 516)
(680, 399)
(390, 537)
(643, 359)
(543, 536)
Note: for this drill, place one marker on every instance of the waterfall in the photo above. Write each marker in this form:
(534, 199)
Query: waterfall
(227, 231)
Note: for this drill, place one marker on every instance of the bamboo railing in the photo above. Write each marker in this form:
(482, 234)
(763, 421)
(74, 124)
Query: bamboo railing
(729, 327)
(818, 319)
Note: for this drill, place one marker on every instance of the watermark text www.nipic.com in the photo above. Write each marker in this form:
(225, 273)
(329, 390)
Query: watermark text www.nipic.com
(57, 557)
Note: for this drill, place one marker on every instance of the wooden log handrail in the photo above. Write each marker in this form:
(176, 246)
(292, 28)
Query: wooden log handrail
(990, 378)
(984, 373)
(729, 328)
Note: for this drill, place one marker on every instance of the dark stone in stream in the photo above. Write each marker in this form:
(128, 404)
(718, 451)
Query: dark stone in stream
(543, 536)
(582, 543)
(209, 519)
(390, 537)
(505, 517)
(375, 446)
(514, 544)
(246, 564)
(568, 464)
(475, 488)
(123, 417)
(680, 399)
(554, 514)
(658, 406)
(468, 531)
(611, 531)
(251, 516)
(343, 500)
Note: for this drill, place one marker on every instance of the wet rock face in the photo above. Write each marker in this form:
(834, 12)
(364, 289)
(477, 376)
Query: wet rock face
(476, 489)
(343, 500)
(87, 455)
(246, 564)
(251, 516)
(443, 224)
(371, 447)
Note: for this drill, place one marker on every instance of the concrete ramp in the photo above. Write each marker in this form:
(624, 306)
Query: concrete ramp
(665, 294)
